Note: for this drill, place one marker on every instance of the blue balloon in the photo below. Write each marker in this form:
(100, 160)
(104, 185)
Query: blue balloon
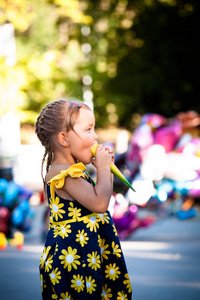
(17, 217)
(181, 187)
(3, 185)
(24, 207)
(11, 194)
(182, 215)
(20, 214)
(24, 194)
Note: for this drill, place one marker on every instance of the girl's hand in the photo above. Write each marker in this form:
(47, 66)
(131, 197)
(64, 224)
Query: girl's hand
(95, 198)
(103, 157)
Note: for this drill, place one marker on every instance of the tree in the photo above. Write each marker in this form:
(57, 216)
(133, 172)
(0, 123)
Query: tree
(131, 57)
(49, 55)
(150, 56)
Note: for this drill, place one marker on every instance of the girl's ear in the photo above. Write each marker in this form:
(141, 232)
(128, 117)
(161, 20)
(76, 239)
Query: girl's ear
(63, 139)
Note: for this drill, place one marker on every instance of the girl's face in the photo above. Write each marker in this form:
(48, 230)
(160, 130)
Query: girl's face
(83, 137)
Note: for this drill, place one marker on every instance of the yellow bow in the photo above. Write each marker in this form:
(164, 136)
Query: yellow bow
(59, 180)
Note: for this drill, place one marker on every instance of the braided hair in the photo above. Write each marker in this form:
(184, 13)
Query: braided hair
(57, 116)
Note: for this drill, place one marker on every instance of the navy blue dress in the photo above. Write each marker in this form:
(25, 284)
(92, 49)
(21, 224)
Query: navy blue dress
(82, 258)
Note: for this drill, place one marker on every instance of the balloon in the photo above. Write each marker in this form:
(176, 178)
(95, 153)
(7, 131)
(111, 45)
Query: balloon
(143, 136)
(164, 190)
(18, 240)
(144, 190)
(3, 185)
(4, 219)
(24, 193)
(154, 163)
(20, 214)
(181, 167)
(154, 120)
(17, 217)
(168, 136)
(141, 140)
(3, 241)
(10, 196)
(194, 190)
(182, 215)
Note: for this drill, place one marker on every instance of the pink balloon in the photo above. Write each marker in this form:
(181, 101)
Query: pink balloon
(4, 219)
(168, 136)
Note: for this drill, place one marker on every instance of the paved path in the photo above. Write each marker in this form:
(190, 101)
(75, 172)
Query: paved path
(163, 262)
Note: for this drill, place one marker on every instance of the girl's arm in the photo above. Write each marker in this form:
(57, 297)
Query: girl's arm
(95, 198)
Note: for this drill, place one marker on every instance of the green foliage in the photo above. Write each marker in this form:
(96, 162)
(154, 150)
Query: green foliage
(151, 56)
(161, 75)
(143, 58)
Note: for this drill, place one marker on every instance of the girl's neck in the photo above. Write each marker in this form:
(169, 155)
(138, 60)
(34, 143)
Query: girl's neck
(59, 158)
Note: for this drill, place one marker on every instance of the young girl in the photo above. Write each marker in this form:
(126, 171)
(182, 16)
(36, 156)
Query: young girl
(82, 257)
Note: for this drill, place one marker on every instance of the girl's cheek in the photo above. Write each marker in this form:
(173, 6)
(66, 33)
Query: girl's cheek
(91, 136)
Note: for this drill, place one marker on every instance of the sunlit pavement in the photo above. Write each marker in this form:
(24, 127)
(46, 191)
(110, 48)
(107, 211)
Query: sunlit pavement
(163, 261)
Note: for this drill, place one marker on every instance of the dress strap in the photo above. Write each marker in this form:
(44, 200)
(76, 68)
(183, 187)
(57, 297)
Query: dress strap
(58, 181)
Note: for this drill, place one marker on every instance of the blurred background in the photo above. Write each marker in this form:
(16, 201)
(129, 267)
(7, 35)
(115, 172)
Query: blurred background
(136, 63)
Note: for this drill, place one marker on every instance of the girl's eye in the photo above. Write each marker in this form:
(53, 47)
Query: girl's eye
(88, 129)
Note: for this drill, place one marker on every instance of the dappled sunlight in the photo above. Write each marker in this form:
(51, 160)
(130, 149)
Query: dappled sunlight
(160, 281)
(33, 248)
(155, 256)
(148, 250)
(138, 246)
(26, 252)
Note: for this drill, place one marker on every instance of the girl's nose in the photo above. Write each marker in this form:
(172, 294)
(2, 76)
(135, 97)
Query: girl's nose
(95, 136)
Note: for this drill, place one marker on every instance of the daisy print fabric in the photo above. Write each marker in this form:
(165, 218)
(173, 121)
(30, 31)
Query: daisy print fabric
(82, 257)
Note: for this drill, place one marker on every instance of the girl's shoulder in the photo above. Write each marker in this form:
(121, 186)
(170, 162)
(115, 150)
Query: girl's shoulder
(56, 176)
(55, 170)
(60, 168)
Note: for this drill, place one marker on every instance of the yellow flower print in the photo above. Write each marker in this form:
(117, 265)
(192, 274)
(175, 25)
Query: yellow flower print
(82, 237)
(106, 293)
(114, 229)
(55, 231)
(55, 207)
(122, 296)
(90, 284)
(92, 223)
(65, 296)
(116, 249)
(99, 239)
(55, 276)
(56, 249)
(44, 256)
(94, 260)
(62, 230)
(104, 218)
(74, 212)
(50, 222)
(77, 283)
(112, 271)
(65, 231)
(48, 263)
(103, 248)
(43, 283)
(54, 296)
(69, 258)
(127, 283)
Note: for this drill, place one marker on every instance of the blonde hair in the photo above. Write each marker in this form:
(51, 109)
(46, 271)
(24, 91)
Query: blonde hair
(57, 116)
